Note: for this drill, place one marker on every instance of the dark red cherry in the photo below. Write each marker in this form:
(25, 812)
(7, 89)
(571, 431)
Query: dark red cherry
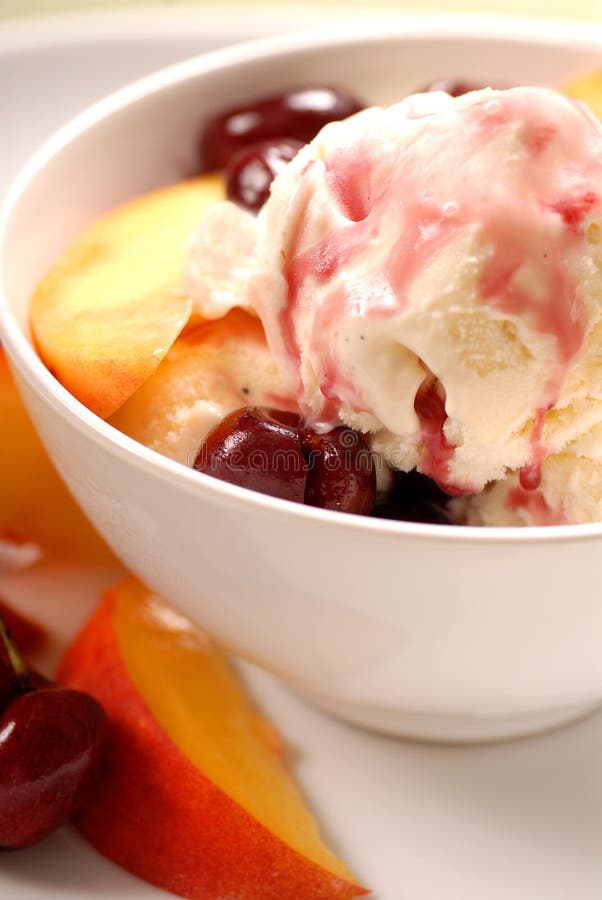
(415, 498)
(251, 171)
(297, 113)
(455, 87)
(257, 448)
(29, 636)
(341, 471)
(14, 678)
(37, 680)
(50, 747)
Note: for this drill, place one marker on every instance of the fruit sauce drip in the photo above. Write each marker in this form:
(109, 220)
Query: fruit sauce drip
(535, 505)
(437, 453)
(530, 474)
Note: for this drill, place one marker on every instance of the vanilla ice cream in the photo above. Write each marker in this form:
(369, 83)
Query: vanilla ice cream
(431, 274)
(569, 491)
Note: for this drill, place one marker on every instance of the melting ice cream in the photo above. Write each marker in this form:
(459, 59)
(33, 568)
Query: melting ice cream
(431, 274)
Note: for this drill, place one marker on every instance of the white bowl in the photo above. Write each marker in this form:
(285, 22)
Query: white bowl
(426, 631)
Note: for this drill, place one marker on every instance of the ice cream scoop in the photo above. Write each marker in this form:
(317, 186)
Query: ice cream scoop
(569, 491)
(431, 273)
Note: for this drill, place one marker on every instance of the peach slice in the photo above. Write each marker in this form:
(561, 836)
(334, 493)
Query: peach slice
(107, 313)
(35, 505)
(588, 88)
(195, 798)
(210, 371)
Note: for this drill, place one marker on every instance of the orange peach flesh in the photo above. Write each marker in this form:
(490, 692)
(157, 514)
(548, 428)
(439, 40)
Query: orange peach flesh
(588, 89)
(107, 313)
(178, 671)
(196, 798)
(211, 370)
(35, 505)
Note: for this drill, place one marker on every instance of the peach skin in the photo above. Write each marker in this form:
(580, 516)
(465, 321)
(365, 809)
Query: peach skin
(195, 796)
(106, 314)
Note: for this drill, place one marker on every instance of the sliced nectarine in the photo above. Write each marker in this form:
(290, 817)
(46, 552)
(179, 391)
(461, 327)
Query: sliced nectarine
(107, 313)
(211, 370)
(194, 798)
(588, 88)
(35, 505)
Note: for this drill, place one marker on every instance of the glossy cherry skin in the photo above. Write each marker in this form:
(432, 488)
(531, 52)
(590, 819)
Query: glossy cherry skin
(257, 448)
(297, 113)
(50, 746)
(415, 498)
(341, 471)
(251, 171)
(10, 682)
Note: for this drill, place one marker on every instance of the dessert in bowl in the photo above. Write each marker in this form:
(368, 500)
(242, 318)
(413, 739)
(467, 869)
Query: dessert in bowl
(419, 629)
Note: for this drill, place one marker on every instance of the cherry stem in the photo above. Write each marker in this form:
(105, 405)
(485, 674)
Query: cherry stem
(14, 656)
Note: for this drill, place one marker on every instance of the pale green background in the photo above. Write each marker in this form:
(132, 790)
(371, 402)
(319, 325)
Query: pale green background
(582, 9)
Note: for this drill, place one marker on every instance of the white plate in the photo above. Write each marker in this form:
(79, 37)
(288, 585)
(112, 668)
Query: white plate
(518, 821)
